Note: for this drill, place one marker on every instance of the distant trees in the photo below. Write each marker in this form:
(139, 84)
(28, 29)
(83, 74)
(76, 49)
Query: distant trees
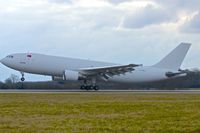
(11, 82)
(1, 85)
(12, 79)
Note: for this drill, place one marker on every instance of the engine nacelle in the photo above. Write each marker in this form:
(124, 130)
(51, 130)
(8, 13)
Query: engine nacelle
(71, 75)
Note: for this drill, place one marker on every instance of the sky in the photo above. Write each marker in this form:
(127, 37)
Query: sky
(119, 31)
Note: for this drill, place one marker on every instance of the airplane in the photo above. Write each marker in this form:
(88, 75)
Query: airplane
(89, 72)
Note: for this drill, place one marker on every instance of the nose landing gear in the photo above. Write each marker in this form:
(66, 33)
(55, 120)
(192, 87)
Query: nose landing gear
(22, 78)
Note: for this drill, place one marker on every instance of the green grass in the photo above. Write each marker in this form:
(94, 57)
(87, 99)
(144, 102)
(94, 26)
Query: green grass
(100, 112)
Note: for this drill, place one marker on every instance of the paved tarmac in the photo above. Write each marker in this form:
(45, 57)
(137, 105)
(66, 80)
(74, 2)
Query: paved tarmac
(101, 91)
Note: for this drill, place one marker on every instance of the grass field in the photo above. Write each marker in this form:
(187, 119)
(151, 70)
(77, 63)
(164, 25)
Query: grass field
(100, 112)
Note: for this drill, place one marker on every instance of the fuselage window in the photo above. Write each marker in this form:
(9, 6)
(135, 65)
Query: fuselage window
(10, 56)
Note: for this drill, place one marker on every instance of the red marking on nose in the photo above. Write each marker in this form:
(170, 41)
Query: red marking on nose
(29, 55)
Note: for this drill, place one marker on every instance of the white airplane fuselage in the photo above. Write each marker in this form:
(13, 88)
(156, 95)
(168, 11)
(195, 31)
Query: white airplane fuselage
(55, 66)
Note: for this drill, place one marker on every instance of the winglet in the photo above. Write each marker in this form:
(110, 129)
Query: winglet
(174, 59)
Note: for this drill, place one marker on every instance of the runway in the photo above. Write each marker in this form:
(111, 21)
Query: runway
(101, 91)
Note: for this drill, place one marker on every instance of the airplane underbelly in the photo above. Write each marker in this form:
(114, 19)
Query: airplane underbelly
(42, 69)
(140, 76)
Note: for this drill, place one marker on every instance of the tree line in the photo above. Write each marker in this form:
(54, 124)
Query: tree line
(192, 80)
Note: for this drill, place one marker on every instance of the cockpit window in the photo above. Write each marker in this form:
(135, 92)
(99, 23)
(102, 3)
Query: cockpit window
(10, 56)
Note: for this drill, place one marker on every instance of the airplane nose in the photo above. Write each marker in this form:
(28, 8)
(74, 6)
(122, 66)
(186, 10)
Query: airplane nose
(2, 60)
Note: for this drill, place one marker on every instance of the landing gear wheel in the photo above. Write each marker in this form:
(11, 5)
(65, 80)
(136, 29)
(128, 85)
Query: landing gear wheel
(87, 87)
(96, 88)
(22, 79)
(82, 87)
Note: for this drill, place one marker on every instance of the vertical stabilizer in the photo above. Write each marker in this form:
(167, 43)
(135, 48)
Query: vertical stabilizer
(174, 59)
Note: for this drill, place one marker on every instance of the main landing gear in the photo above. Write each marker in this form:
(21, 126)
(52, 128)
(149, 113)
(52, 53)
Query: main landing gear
(22, 78)
(90, 87)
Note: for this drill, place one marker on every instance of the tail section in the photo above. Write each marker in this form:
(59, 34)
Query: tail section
(174, 59)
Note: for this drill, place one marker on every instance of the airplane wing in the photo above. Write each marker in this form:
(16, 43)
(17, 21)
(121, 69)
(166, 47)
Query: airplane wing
(108, 71)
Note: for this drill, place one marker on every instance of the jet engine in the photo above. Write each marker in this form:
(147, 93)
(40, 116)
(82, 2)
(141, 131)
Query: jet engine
(71, 75)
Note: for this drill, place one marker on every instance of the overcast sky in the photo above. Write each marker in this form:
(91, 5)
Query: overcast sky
(119, 31)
